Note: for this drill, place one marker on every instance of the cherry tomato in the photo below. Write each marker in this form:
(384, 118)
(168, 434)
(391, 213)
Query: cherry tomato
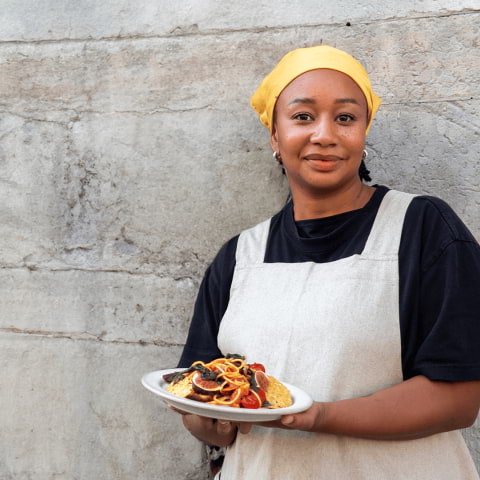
(256, 366)
(251, 401)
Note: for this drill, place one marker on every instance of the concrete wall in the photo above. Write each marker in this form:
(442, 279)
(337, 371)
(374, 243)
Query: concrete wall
(129, 154)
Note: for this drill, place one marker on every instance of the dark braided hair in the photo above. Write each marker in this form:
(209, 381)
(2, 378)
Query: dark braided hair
(364, 172)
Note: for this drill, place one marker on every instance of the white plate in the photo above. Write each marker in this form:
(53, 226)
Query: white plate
(154, 382)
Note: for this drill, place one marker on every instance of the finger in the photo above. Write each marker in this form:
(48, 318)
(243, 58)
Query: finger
(288, 421)
(224, 426)
(175, 409)
(244, 427)
(195, 423)
(272, 424)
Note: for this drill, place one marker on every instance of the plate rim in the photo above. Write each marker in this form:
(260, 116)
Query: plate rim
(219, 411)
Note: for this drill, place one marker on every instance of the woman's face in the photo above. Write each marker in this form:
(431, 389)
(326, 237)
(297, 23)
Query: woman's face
(319, 131)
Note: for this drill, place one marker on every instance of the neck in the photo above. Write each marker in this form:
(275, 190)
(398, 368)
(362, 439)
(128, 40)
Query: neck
(327, 203)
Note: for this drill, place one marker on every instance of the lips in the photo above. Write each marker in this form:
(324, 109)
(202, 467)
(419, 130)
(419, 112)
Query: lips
(325, 158)
(322, 163)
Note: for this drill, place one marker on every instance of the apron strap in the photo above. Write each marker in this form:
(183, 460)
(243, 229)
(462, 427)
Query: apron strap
(384, 238)
(252, 244)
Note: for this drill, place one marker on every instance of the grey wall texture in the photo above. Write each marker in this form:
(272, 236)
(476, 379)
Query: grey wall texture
(129, 154)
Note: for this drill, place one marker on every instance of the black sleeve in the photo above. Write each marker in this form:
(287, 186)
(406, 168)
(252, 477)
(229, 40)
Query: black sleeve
(451, 309)
(439, 294)
(210, 306)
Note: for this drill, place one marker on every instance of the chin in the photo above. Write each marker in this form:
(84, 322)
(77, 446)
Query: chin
(325, 182)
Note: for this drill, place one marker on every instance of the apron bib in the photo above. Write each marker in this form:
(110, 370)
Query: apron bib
(333, 330)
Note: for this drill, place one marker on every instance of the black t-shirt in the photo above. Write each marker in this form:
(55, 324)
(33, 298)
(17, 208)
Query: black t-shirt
(439, 282)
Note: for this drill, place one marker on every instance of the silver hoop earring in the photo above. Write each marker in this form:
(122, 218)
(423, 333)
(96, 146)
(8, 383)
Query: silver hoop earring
(278, 158)
(364, 155)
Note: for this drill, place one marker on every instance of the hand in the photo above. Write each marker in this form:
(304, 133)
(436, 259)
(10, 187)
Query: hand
(220, 433)
(209, 430)
(308, 421)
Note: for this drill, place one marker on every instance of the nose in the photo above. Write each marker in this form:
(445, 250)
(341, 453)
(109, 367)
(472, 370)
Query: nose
(323, 132)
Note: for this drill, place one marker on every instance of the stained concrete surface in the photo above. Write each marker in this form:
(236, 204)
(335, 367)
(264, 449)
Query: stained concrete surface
(129, 155)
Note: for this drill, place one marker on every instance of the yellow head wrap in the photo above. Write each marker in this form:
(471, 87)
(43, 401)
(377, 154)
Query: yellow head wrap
(303, 60)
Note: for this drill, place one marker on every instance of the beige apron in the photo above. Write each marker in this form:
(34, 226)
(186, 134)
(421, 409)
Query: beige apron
(331, 329)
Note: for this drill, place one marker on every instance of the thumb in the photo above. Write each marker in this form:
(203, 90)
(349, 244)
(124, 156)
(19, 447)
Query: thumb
(288, 420)
(308, 420)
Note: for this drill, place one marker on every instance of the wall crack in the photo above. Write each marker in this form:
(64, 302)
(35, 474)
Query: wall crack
(87, 336)
(191, 31)
(37, 268)
(439, 100)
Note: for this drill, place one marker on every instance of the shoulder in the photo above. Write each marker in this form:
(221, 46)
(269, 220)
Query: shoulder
(223, 264)
(435, 212)
(228, 249)
(430, 227)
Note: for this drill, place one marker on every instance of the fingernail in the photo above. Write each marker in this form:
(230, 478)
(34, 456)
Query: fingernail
(224, 427)
(287, 420)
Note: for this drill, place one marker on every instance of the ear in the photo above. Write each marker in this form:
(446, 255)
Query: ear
(274, 139)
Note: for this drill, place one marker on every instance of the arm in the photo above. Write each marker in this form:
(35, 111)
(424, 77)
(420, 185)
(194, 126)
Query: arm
(412, 409)
(210, 306)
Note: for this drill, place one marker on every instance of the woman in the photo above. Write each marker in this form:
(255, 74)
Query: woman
(365, 297)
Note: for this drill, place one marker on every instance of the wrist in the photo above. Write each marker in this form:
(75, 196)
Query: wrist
(325, 417)
(321, 412)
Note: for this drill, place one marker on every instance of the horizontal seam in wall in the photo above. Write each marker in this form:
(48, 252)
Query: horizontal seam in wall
(77, 112)
(440, 100)
(176, 34)
(36, 268)
(86, 336)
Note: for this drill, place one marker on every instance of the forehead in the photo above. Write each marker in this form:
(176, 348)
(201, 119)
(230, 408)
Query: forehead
(322, 84)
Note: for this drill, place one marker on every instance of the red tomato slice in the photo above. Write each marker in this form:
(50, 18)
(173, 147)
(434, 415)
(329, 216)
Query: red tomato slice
(250, 401)
(256, 366)
(262, 395)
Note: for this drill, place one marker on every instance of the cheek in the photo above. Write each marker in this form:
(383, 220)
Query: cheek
(292, 138)
(355, 140)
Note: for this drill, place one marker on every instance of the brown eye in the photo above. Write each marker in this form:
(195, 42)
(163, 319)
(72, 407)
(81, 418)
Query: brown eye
(345, 118)
(302, 117)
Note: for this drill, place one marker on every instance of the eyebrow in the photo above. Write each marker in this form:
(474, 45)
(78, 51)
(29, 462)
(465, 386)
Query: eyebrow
(302, 100)
(311, 100)
(346, 100)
